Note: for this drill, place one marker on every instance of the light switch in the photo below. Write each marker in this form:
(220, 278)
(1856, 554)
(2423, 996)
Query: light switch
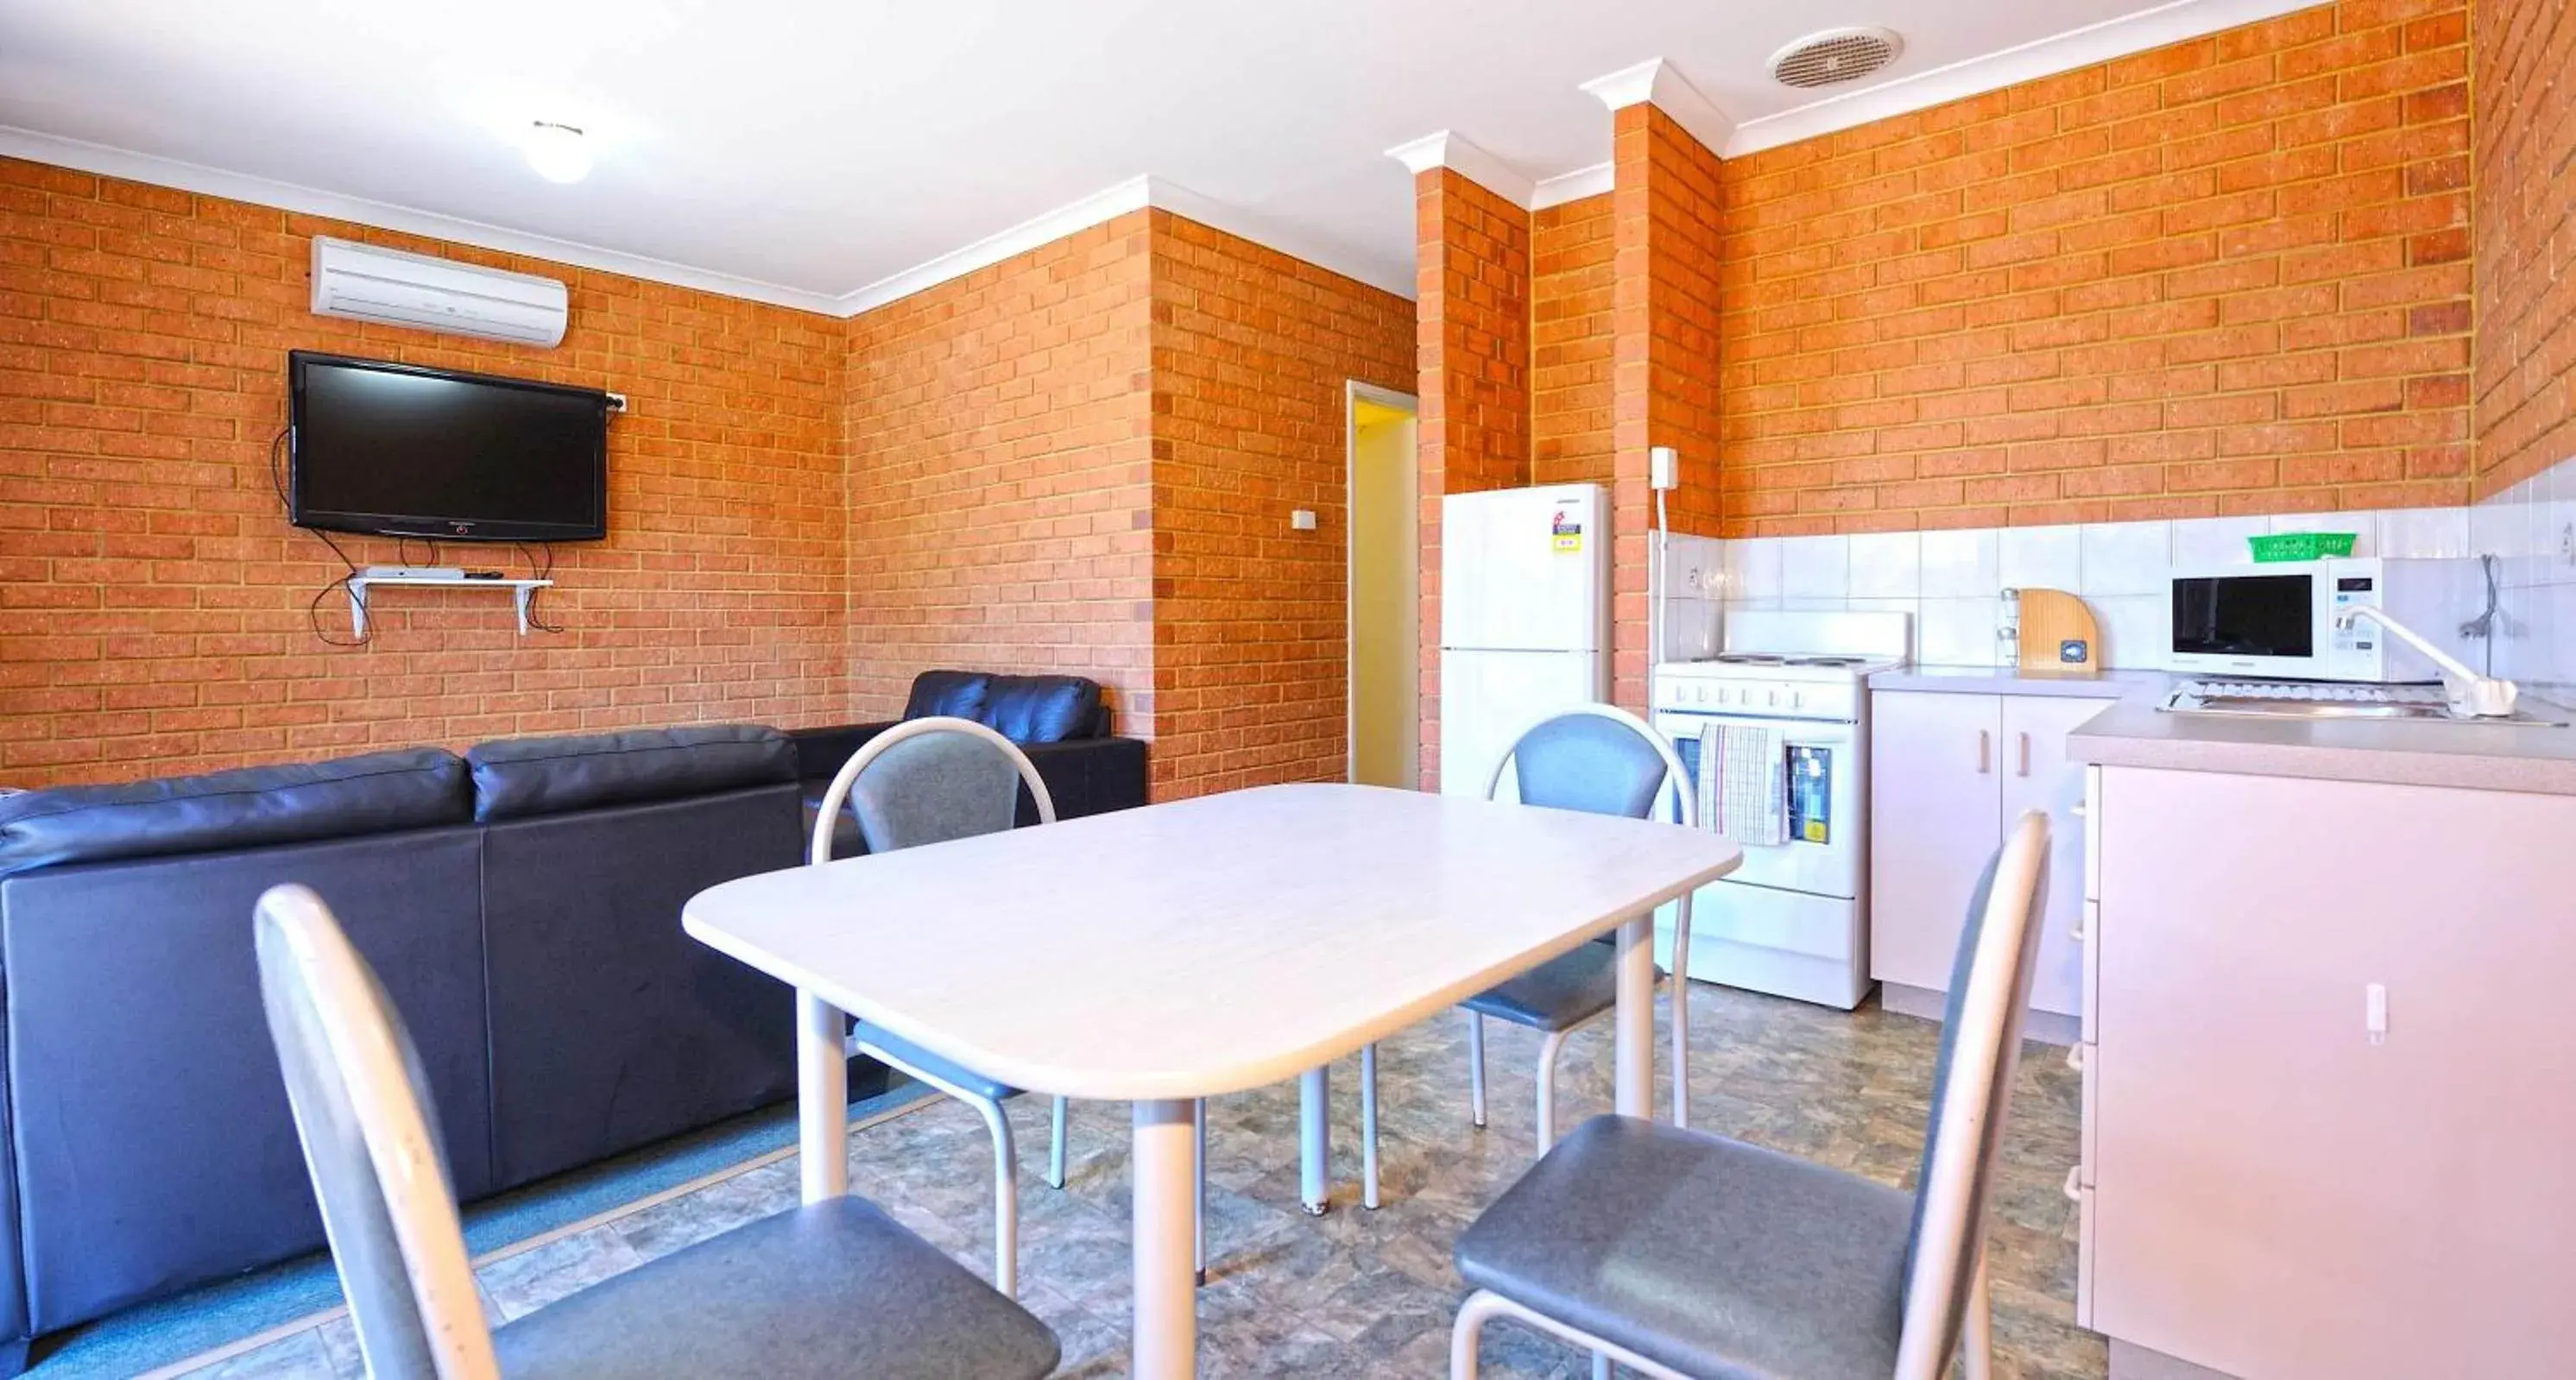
(1303, 519)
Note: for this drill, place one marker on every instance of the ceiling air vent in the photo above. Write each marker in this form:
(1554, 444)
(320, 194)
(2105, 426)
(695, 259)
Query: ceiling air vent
(1835, 56)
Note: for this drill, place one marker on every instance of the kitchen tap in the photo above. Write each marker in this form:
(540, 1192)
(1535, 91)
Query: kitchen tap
(2470, 695)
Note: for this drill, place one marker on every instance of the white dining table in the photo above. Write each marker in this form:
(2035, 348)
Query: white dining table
(1207, 946)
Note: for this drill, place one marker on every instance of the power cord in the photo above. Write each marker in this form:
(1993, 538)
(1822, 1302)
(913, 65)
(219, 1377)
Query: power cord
(539, 569)
(313, 610)
(2493, 622)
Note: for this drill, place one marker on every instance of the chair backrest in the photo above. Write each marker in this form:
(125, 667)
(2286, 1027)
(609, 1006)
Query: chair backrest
(369, 1138)
(928, 781)
(1971, 1092)
(1599, 759)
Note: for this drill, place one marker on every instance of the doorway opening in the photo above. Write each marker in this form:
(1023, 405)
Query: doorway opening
(1385, 589)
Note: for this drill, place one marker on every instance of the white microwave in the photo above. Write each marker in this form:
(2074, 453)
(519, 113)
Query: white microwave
(2279, 620)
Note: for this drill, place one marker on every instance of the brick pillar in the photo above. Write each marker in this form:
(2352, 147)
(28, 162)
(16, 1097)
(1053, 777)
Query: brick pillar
(1472, 258)
(1664, 296)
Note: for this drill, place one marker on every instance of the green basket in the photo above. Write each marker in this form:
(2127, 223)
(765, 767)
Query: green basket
(2301, 546)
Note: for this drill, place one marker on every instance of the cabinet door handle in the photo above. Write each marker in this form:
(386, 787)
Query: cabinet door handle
(2025, 754)
(2074, 1178)
(1985, 752)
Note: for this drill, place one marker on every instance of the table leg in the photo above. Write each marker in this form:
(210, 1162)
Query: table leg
(1314, 1140)
(822, 1097)
(1634, 1021)
(1165, 1166)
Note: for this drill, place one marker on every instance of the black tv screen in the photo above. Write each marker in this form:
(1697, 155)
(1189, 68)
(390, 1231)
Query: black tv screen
(398, 450)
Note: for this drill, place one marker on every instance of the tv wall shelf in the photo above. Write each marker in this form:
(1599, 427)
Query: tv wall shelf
(520, 592)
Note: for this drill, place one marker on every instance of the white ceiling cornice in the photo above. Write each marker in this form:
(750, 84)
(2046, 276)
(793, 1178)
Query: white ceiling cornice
(1573, 186)
(1659, 83)
(1319, 227)
(1134, 194)
(1166, 195)
(2172, 22)
(1102, 206)
(1454, 151)
(385, 215)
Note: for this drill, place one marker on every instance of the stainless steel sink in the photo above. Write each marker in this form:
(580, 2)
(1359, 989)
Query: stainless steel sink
(2323, 709)
(2350, 709)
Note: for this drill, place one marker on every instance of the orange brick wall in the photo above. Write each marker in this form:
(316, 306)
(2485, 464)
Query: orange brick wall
(1570, 300)
(1251, 354)
(1472, 353)
(2526, 239)
(1668, 354)
(2226, 276)
(154, 602)
(998, 429)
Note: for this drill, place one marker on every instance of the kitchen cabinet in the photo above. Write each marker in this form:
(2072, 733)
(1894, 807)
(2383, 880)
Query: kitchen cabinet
(2326, 1105)
(1947, 773)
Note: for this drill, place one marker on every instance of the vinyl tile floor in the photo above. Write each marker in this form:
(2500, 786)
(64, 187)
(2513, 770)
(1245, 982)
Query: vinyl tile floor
(1360, 1293)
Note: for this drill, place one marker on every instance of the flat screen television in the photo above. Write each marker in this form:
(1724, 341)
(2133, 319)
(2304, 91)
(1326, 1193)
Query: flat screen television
(398, 450)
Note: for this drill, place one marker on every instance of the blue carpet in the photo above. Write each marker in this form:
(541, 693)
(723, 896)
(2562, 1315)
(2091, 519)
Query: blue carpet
(157, 1334)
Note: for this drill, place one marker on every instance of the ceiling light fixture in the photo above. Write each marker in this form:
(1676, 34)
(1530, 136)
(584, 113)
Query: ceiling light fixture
(557, 151)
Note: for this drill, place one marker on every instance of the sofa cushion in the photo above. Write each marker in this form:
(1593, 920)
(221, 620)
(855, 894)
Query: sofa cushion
(1041, 709)
(380, 791)
(956, 694)
(518, 777)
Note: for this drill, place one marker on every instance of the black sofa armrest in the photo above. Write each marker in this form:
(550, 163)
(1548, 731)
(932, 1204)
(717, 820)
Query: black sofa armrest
(1084, 776)
(1087, 776)
(820, 752)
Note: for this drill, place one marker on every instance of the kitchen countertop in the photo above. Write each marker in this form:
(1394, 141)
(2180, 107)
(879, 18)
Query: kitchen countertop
(2501, 757)
(2005, 680)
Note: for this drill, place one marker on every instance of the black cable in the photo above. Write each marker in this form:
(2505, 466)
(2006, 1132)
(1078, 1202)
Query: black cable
(539, 570)
(313, 610)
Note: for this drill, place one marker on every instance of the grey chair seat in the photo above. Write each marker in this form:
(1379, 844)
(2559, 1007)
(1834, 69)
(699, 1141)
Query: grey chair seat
(1562, 992)
(834, 1289)
(1713, 1257)
(946, 1070)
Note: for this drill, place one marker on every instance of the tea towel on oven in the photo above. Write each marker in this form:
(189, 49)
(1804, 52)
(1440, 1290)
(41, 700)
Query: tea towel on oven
(1744, 783)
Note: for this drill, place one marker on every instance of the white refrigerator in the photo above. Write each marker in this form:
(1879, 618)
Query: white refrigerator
(1524, 618)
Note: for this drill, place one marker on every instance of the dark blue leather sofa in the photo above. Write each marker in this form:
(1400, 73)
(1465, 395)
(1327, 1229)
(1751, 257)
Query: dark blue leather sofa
(522, 904)
(1059, 721)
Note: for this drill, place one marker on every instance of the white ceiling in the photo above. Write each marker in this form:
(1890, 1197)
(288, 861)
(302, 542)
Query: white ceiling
(804, 150)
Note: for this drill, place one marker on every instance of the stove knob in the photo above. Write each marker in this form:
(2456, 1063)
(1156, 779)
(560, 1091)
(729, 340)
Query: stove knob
(1797, 699)
(1771, 698)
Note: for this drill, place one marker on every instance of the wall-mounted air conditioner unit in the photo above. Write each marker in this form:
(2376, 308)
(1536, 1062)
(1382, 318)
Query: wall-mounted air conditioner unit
(364, 283)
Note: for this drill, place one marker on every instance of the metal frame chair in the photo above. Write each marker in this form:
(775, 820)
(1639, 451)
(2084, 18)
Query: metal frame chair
(804, 1292)
(1006, 1163)
(1686, 814)
(1676, 785)
(1945, 1306)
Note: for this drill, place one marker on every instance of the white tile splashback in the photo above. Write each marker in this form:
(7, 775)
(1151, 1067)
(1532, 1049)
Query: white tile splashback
(2532, 527)
(1959, 561)
(1952, 580)
(2040, 557)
